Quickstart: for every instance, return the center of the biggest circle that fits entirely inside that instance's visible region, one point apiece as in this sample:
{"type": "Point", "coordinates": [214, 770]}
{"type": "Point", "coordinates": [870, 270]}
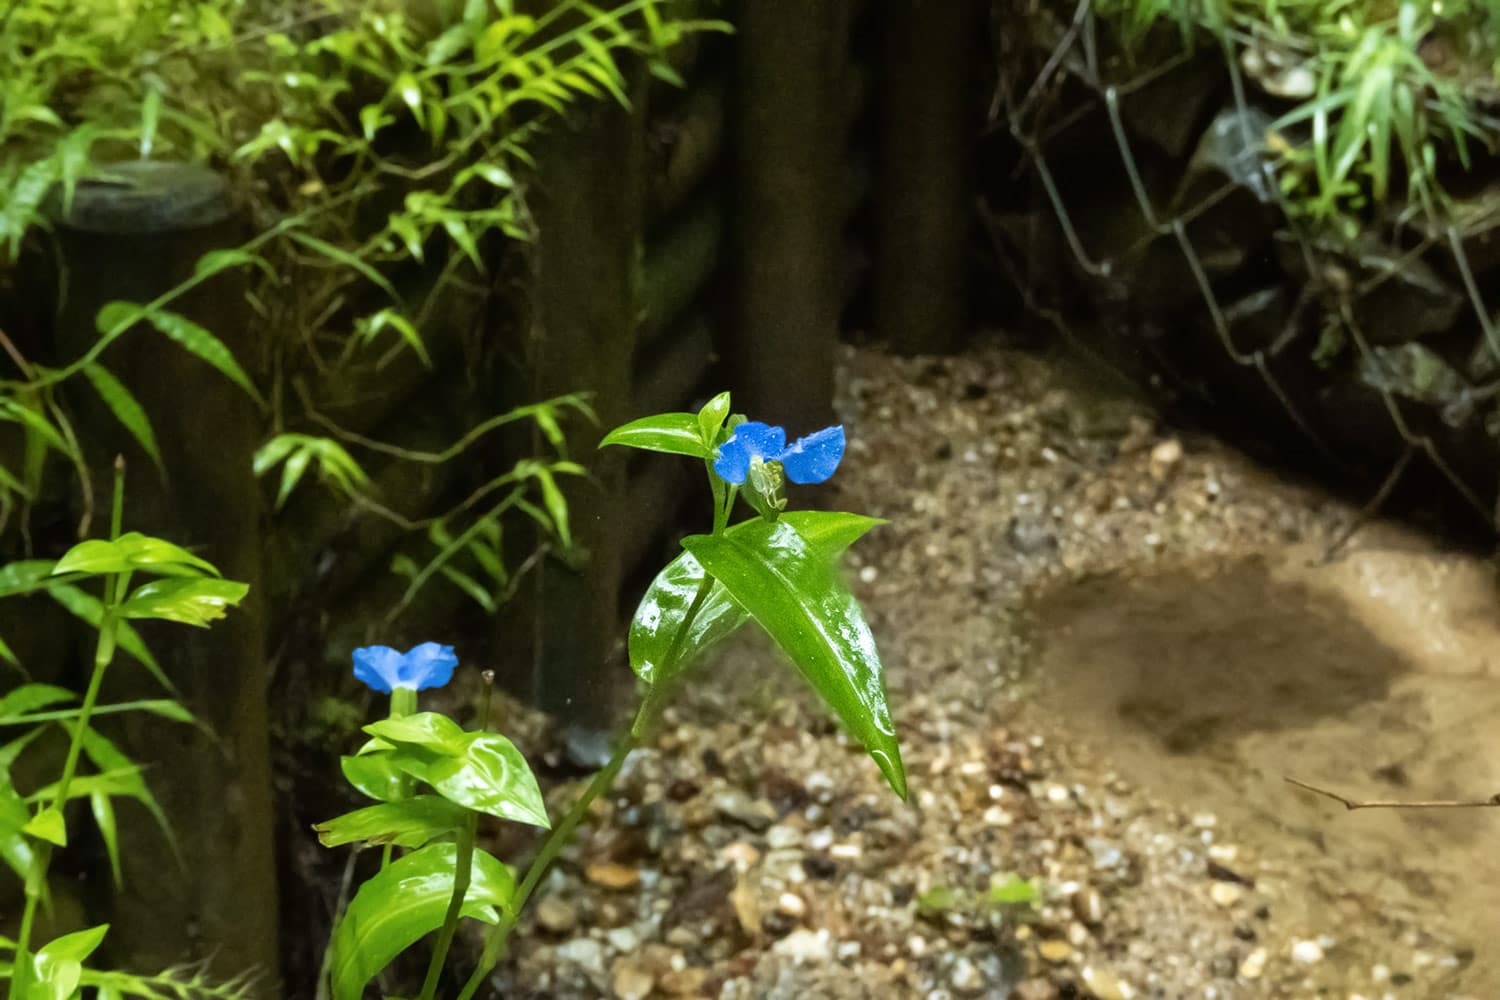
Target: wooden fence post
{"type": "Point", "coordinates": [928, 125]}
{"type": "Point", "coordinates": [133, 241]}
{"type": "Point", "coordinates": [591, 209]}
{"type": "Point", "coordinates": [788, 151]}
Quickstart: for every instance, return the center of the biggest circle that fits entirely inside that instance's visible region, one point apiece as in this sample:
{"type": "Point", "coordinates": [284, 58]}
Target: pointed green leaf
{"type": "Point", "coordinates": [671, 433]}
{"type": "Point", "coordinates": [29, 698]}
{"type": "Point", "coordinates": [795, 594]}
{"type": "Point", "coordinates": [125, 407]}
{"type": "Point", "coordinates": [409, 823]}
{"type": "Point", "coordinates": [341, 256]}
{"type": "Point", "coordinates": [189, 335]}
{"type": "Point", "coordinates": [480, 771]}
{"type": "Point", "coordinates": [191, 601]}
{"type": "Point", "coordinates": [664, 607]}
{"type": "Point", "coordinates": [405, 902]}
{"type": "Point", "coordinates": [104, 818]}
{"type": "Point", "coordinates": [48, 825]}
{"type": "Point", "coordinates": [15, 848]}
{"type": "Point", "coordinates": [132, 551]}
{"type": "Point", "coordinates": [374, 775]}
{"type": "Point", "coordinates": [712, 417]}
{"type": "Point", "coordinates": [57, 967]}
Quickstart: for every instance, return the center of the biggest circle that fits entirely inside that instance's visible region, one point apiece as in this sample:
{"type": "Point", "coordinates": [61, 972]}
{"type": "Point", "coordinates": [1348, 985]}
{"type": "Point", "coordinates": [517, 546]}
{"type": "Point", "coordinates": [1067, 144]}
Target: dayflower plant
{"type": "Point", "coordinates": [778, 569]}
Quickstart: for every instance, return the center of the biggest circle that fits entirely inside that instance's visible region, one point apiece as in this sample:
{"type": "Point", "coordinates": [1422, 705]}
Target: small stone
{"type": "Point", "coordinates": [585, 953]}
{"type": "Point", "coordinates": [1254, 965]}
{"type": "Point", "coordinates": [1164, 458]}
{"type": "Point", "coordinates": [740, 854]}
{"type": "Point", "coordinates": [623, 939]}
{"type": "Point", "coordinates": [556, 916]}
{"type": "Point", "coordinates": [782, 837]}
{"type": "Point", "coordinates": [609, 875]}
{"type": "Point", "coordinates": [1035, 989]}
{"type": "Point", "coordinates": [1088, 906]}
{"type": "Point", "coordinates": [757, 814]}
{"type": "Point", "coordinates": [996, 816]}
{"type": "Point", "coordinates": [803, 945]}
{"type": "Point", "coordinates": [684, 982]}
{"type": "Point", "coordinates": [1055, 950]}
{"type": "Point", "coordinates": [1307, 952]}
{"type": "Point", "coordinates": [1105, 985]}
{"type": "Point", "coordinates": [916, 946]}
{"type": "Point", "coordinates": [631, 981]}
{"type": "Point", "coordinates": [791, 904]}
{"type": "Point", "coordinates": [868, 574]}
{"type": "Point", "coordinates": [966, 977]}
{"type": "Point", "coordinates": [845, 851]}
{"type": "Point", "coordinates": [1226, 894]}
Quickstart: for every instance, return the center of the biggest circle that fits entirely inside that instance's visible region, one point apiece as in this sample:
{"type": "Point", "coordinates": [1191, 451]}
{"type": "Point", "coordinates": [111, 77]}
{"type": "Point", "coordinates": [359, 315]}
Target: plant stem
{"type": "Point", "coordinates": [104, 651]}
{"type": "Point", "coordinates": [403, 702]}
{"type": "Point", "coordinates": [461, 876]}
{"type": "Point", "coordinates": [494, 945]}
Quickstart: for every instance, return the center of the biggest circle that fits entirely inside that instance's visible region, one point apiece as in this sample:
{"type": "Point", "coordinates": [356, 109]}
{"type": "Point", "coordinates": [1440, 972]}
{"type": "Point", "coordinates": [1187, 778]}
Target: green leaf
{"type": "Point", "coordinates": [48, 825]}
{"type": "Point", "coordinates": [104, 818]}
{"type": "Point", "coordinates": [36, 423]}
{"type": "Point", "coordinates": [1011, 889]}
{"type": "Point", "coordinates": [664, 607]}
{"type": "Point", "coordinates": [671, 433]}
{"type": "Point", "coordinates": [132, 551]}
{"type": "Point", "coordinates": [408, 823]}
{"type": "Point", "coordinates": [25, 576]}
{"type": "Point", "coordinates": [374, 775]}
{"type": "Point", "coordinates": [57, 967]}
{"type": "Point", "coordinates": [215, 261]}
{"type": "Point", "coordinates": [192, 601]}
{"type": "Point", "coordinates": [479, 771]}
{"type": "Point", "coordinates": [189, 335]}
{"type": "Point", "coordinates": [341, 256]}
{"type": "Point", "coordinates": [404, 902]}
{"type": "Point", "coordinates": [15, 848]}
{"type": "Point", "coordinates": [712, 417]}
{"type": "Point", "coordinates": [794, 592]}
{"type": "Point", "coordinates": [371, 327]}
{"type": "Point", "coordinates": [125, 407]}
{"type": "Point", "coordinates": [29, 698]}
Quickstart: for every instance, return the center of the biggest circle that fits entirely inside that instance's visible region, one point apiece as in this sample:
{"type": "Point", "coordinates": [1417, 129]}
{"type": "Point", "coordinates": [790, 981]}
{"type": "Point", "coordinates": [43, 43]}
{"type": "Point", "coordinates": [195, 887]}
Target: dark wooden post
{"type": "Point", "coordinates": [788, 150]}
{"type": "Point", "coordinates": [591, 207]}
{"type": "Point", "coordinates": [929, 119]}
{"type": "Point", "coordinates": [133, 241]}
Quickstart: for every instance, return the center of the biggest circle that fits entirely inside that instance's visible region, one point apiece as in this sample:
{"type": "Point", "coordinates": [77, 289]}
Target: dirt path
{"type": "Point", "coordinates": [1104, 648]}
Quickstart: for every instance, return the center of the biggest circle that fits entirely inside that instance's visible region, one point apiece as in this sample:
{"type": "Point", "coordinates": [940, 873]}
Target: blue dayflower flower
{"type": "Point", "coordinates": [811, 459]}
{"type": "Point", "coordinates": [426, 666]}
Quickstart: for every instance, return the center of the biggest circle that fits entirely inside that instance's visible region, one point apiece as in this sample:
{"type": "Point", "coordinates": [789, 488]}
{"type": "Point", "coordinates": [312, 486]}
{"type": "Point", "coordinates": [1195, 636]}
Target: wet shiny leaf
{"type": "Point", "coordinates": [795, 594]}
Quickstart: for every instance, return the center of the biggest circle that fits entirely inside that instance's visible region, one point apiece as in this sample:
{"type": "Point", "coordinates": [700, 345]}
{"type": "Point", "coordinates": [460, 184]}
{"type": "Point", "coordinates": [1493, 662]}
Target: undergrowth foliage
{"type": "Point", "coordinates": [375, 146]}
{"type": "Point", "coordinates": [1380, 90]}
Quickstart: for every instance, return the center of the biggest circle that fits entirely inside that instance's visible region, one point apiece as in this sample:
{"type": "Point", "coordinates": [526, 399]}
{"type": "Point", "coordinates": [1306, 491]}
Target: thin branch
{"type": "Point", "coordinates": [1490, 803]}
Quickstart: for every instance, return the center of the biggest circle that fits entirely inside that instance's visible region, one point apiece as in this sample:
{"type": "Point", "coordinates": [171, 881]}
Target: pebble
{"type": "Point", "coordinates": [556, 915]}
{"type": "Point", "coordinates": [623, 939]}
{"type": "Point", "coordinates": [1105, 985]}
{"type": "Point", "coordinates": [586, 953]}
{"type": "Point", "coordinates": [1307, 952]}
{"type": "Point", "coordinates": [1254, 965]}
{"type": "Point", "coordinates": [733, 804]}
{"type": "Point", "coordinates": [631, 981]}
{"type": "Point", "coordinates": [803, 945]}
{"type": "Point", "coordinates": [782, 837]}
{"type": "Point", "coordinates": [612, 876]}
{"type": "Point", "coordinates": [1226, 894]}
{"type": "Point", "coordinates": [966, 977]}
{"type": "Point", "coordinates": [1088, 906]}
{"type": "Point", "coordinates": [1055, 950]}
{"type": "Point", "coordinates": [791, 904]}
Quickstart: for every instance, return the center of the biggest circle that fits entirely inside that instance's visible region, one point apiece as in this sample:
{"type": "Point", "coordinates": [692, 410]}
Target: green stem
{"type": "Point", "coordinates": [494, 945]}
{"type": "Point", "coordinates": [104, 652]}
{"type": "Point", "coordinates": [403, 702]}
{"type": "Point", "coordinates": [461, 876]}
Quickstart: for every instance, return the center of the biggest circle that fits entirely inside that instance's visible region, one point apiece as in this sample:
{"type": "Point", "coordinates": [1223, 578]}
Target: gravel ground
{"type": "Point", "coordinates": [752, 852]}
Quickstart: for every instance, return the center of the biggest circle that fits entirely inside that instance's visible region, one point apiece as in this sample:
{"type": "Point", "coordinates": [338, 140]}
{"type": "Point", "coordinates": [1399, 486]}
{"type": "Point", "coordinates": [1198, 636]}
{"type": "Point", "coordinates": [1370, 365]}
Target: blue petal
{"type": "Point", "coordinates": [427, 666]}
{"type": "Point", "coordinates": [378, 666]}
{"type": "Point", "coordinates": [813, 458]}
{"type": "Point", "coordinates": [750, 440]}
